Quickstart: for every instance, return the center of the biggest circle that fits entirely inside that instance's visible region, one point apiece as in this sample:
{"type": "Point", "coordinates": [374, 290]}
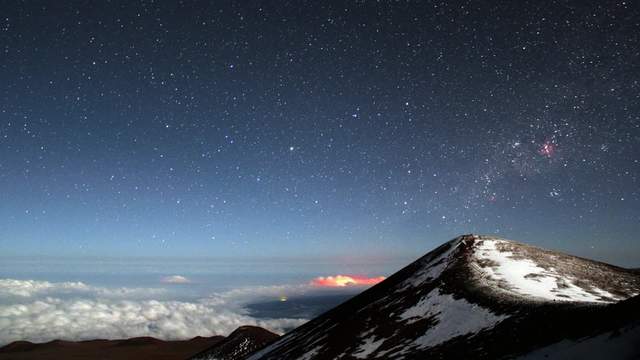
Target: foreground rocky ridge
{"type": "Point", "coordinates": [237, 345]}
{"type": "Point", "coordinates": [134, 348]}
{"type": "Point", "coordinates": [473, 297]}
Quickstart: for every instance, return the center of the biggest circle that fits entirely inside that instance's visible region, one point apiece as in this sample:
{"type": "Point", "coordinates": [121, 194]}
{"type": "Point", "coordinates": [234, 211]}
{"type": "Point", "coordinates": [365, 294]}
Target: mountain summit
{"type": "Point", "coordinates": [476, 297]}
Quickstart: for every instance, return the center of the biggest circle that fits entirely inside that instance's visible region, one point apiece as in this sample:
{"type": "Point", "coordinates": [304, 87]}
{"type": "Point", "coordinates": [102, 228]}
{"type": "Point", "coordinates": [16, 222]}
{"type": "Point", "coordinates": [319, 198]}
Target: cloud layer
{"type": "Point", "coordinates": [20, 289]}
{"type": "Point", "coordinates": [41, 311]}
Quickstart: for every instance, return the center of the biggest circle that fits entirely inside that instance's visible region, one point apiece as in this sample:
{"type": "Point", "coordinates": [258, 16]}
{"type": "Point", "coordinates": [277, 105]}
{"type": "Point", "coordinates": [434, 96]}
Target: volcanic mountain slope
{"type": "Point", "coordinates": [241, 342]}
{"type": "Point", "coordinates": [474, 297]}
{"type": "Point", "coordinates": [617, 337]}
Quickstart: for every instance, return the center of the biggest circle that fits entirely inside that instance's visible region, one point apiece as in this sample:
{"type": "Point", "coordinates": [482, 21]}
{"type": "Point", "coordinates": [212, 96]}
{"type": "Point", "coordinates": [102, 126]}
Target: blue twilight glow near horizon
{"type": "Point", "coordinates": [358, 130]}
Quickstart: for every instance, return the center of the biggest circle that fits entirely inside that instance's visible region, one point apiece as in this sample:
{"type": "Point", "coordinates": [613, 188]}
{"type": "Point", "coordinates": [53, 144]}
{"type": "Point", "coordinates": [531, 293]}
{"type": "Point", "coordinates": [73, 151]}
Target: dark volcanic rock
{"type": "Point", "coordinates": [238, 344]}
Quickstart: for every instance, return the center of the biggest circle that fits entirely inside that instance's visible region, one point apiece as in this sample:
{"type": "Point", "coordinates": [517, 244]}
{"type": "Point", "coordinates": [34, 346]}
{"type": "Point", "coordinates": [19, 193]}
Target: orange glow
{"type": "Point", "coordinates": [345, 280]}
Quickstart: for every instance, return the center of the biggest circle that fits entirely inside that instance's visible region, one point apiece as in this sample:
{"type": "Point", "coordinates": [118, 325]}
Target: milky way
{"type": "Point", "coordinates": [318, 128]}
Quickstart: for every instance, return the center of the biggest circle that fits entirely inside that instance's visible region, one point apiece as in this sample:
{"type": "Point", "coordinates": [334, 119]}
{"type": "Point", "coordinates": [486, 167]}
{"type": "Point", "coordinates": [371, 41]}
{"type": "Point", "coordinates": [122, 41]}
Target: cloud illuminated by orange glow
{"type": "Point", "coordinates": [345, 280]}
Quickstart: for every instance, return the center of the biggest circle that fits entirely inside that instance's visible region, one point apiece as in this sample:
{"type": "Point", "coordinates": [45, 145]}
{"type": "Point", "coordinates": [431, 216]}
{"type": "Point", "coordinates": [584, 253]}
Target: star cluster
{"type": "Point", "coordinates": [306, 128]}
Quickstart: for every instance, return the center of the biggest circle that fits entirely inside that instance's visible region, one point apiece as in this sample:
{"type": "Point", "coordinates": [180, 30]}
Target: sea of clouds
{"type": "Point", "coordinates": [40, 311]}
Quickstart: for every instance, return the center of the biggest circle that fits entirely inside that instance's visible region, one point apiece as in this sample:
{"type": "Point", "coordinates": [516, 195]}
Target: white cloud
{"type": "Point", "coordinates": [41, 311]}
{"type": "Point", "coordinates": [175, 279]}
{"type": "Point", "coordinates": [11, 288]}
{"type": "Point", "coordinates": [28, 288]}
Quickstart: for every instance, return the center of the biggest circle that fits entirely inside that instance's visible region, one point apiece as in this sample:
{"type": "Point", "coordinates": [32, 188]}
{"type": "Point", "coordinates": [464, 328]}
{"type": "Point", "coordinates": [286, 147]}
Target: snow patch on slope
{"type": "Point", "coordinates": [525, 278]}
{"type": "Point", "coordinates": [454, 317]}
{"type": "Point", "coordinates": [370, 345]}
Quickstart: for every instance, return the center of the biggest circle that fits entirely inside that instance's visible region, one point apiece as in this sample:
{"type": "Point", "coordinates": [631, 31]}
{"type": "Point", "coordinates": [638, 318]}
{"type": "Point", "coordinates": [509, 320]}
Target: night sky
{"type": "Point", "coordinates": [311, 128]}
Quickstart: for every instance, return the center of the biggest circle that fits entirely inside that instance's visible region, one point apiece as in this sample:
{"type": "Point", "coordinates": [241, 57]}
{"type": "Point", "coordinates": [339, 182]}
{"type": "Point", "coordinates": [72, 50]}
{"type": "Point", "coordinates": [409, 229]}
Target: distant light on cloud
{"type": "Point", "coordinates": [345, 280]}
{"type": "Point", "coordinates": [175, 279]}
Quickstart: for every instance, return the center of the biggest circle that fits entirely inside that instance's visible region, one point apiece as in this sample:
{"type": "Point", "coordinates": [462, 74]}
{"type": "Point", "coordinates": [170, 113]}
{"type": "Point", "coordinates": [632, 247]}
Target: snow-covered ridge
{"type": "Point", "coordinates": [542, 275]}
